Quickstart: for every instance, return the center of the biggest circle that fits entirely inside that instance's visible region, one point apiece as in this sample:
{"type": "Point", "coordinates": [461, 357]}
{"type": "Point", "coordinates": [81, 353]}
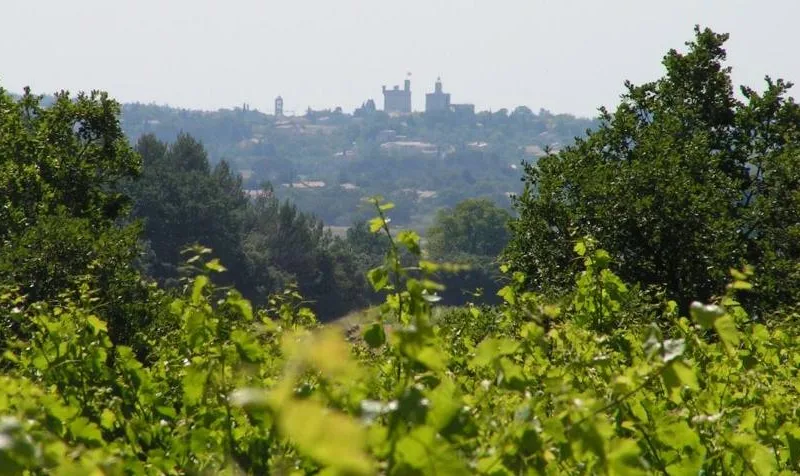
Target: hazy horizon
{"type": "Point", "coordinates": [567, 57]}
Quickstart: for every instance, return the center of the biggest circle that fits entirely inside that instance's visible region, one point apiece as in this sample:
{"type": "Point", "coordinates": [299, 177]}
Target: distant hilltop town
{"type": "Point", "coordinates": [398, 101]}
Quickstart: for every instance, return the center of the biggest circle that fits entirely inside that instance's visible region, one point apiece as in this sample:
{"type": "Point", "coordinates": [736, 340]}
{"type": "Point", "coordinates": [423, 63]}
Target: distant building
{"type": "Point", "coordinates": [398, 100]}
{"type": "Point", "coordinates": [465, 109]}
{"type": "Point", "coordinates": [386, 135]}
{"type": "Point", "coordinates": [257, 193]}
{"type": "Point", "coordinates": [409, 149]}
{"type": "Point", "coordinates": [366, 109]}
{"type": "Point", "coordinates": [305, 184]}
{"type": "Point", "coordinates": [278, 106]}
{"type": "Point", "coordinates": [438, 100]}
{"type": "Point", "coordinates": [477, 145]}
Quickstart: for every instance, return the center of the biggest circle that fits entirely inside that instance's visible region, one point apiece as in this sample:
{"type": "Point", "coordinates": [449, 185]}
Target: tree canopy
{"type": "Point", "coordinates": [65, 158]}
{"type": "Point", "coordinates": [473, 233]}
{"type": "Point", "coordinates": [266, 245]}
{"type": "Point", "coordinates": [683, 181]}
{"type": "Point", "coordinates": [421, 162]}
{"type": "Point", "coordinates": [473, 226]}
{"type": "Point", "coordinates": [60, 208]}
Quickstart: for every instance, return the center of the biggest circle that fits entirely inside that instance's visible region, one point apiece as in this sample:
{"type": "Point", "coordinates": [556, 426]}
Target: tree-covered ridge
{"type": "Point", "coordinates": [329, 160]}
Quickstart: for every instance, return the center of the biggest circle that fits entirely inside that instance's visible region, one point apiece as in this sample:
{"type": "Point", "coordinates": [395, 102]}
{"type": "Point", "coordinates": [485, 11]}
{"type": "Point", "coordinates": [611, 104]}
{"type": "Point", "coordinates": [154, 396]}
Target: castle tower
{"type": "Point", "coordinates": [398, 100]}
{"type": "Point", "coordinates": [278, 106]}
{"type": "Point", "coordinates": [438, 100]}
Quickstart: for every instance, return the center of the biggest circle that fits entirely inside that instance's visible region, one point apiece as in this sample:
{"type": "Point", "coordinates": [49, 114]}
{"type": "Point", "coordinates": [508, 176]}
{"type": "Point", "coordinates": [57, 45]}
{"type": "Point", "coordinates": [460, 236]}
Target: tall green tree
{"type": "Point", "coordinates": [473, 233]}
{"type": "Point", "coordinates": [64, 158]}
{"type": "Point", "coordinates": [265, 244]}
{"type": "Point", "coordinates": [285, 246]}
{"type": "Point", "coordinates": [680, 183]}
{"type": "Point", "coordinates": [183, 201]}
{"type": "Point", "coordinates": [60, 209]}
{"type": "Point", "coordinates": [473, 227]}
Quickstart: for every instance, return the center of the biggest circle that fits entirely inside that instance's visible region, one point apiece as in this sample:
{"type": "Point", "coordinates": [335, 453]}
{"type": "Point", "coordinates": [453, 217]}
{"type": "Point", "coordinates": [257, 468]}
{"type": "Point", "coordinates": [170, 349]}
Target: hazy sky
{"type": "Point", "coordinates": [562, 55]}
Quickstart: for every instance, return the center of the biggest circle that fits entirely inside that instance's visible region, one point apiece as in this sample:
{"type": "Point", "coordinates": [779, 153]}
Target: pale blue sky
{"type": "Point", "coordinates": [565, 56]}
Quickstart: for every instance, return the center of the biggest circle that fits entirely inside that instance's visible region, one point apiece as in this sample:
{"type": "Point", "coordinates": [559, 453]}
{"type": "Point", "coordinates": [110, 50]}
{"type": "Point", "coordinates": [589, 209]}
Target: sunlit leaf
{"type": "Point", "coordinates": [378, 278]}
{"type": "Point", "coordinates": [200, 283]}
{"type": "Point", "coordinates": [727, 331]}
{"type": "Point", "coordinates": [97, 324]}
{"type": "Point", "coordinates": [492, 349]}
{"type": "Point", "coordinates": [623, 458]}
{"type": "Point", "coordinates": [328, 437]}
{"type": "Point", "coordinates": [376, 224]}
{"type": "Point", "coordinates": [194, 381]}
{"type": "Point", "coordinates": [86, 431]}
{"type": "Point", "coordinates": [424, 450]}
{"type": "Point", "coordinates": [410, 240]}
{"type": "Point", "coordinates": [215, 266]}
{"type": "Point", "coordinates": [445, 404]}
{"type": "Point", "coordinates": [247, 346]}
{"type": "Point", "coordinates": [107, 419]}
{"type": "Point", "coordinates": [677, 375]}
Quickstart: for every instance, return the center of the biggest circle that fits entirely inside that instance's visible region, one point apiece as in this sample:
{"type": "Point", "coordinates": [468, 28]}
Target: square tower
{"type": "Point", "coordinates": [398, 100]}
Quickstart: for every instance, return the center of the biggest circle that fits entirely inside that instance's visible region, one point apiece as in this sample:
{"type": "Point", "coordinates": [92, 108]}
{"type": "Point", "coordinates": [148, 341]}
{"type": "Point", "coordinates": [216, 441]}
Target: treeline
{"type": "Point", "coordinates": [157, 201]}
{"type": "Point", "coordinates": [268, 245]}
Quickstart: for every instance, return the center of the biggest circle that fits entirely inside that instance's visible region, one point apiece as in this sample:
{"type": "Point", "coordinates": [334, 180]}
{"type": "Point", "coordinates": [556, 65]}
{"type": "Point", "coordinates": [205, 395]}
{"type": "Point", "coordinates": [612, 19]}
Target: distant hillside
{"type": "Point", "coordinates": [327, 161]}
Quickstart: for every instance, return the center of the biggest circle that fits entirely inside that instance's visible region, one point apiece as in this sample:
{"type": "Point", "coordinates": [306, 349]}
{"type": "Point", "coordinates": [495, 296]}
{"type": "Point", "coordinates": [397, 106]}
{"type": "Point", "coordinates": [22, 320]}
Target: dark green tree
{"type": "Point", "coordinates": [286, 247]}
{"type": "Point", "coordinates": [369, 247]}
{"type": "Point", "coordinates": [182, 201]}
{"type": "Point", "coordinates": [472, 233]}
{"type": "Point", "coordinates": [63, 158]}
{"type": "Point", "coordinates": [265, 244]}
{"type": "Point", "coordinates": [474, 227]}
{"type": "Point", "coordinates": [680, 183]}
{"type": "Point", "coordinates": [60, 209]}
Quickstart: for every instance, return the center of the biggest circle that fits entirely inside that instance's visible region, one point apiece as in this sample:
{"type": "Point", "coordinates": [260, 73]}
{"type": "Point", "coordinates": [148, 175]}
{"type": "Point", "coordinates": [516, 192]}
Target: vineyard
{"type": "Point", "coordinates": [599, 383]}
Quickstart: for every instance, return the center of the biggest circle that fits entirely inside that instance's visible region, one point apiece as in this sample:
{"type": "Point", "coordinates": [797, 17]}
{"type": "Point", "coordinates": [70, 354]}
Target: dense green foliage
{"type": "Point", "coordinates": [473, 233]}
{"type": "Point", "coordinates": [66, 159]}
{"type": "Point", "coordinates": [267, 245]}
{"type": "Point", "coordinates": [524, 388]}
{"type": "Point", "coordinates": [59, 207]}
{"type": "Point", "coordinates": [680, 183]}
{"type": "Point", "coordinates": [473, 227]}
{"type": "Point", "coordinates": [603, 371]}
